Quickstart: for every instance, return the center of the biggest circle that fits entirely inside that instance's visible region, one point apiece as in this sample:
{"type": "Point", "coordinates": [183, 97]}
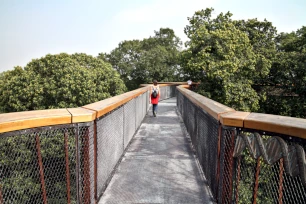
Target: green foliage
{"type": "Point", "coordinates": [222, 57]}
{"type": "Point", "coordinates": [286, 90]}
{"type": "Point", "coordinates": [142, 61]}
{"type": "Point", "coordinates": [58, 81]}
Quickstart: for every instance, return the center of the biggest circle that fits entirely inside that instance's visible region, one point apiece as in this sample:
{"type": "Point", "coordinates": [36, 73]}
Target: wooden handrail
{"type": "Point", "coordinates": [226, 115]}
{"type": "Point", "coordinates": [212, 107]}
{"type": "Point", "coordinates": [30, 119]}
{"type": "Point", "coordinates": [257, 121]}
{"type": "Point", "coordinates": [39, 118]}
{"type": "Point", "coordinates": [107, 105]}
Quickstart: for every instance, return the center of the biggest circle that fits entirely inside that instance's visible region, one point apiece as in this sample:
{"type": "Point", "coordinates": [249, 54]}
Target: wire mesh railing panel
{"type": "Point", "coordinates": [294, 191]}
{"type": "Point", "coordinates": [179, 101]}
{"type": "Point", "coordinates": [207, 151]}
{"type": "Point", "coordinates": [191, 121]}
{"type": "Point", "coordinates": [39, 165]}
{"type": "Point", "coordinates": [54, 163]}
{"type": "Point", "coordinates": [129, 121]}
{"type": "Point", "coordinates": [245, 170]}
{"type": "Point", "coordinates": [266, 169]}
{"type": "Point", "coordinates": [109, 145]}
{"type": "Point", "coordinates": [172, 91]}
{"type": "Point", "coordinates": [86, 162]}
{"type": "Point", "coordinates": [203, 131]}
{"type": "Point", "coordinates": [226, 165]}
{"type": "Point", "coordinates": [144, 105]}
{"type": "Point", "coordinates": [138, 110]}
{"type": "Point", "coordinates": [163, 93]}
{"type": "Point", "coordinates": [148, 100]}
{"type": "Point", "coordinates": [19, 169]}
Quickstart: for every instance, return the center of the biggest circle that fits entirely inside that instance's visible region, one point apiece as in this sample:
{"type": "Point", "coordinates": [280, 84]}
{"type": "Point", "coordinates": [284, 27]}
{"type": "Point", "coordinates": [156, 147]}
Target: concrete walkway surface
{"type": "Point", "coordinates": [159, 165]}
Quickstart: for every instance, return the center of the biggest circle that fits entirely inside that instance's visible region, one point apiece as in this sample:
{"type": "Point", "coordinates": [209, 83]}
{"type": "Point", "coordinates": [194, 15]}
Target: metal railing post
{"type": "Point", "coordinates": [86, 168]}
{"type": "Point", "coordinates": [95, 162]}
{"type": "Point", "coordinates": [67, 167]}
{"type": "Point", "coordinates": [256, 180]}
{"type": "Point", "coordinates": [41, 170]}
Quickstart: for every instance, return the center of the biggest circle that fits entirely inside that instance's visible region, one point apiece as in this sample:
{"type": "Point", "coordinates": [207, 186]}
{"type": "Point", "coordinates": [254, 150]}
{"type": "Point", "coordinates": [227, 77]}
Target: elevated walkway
{"type": "Point", "coordinates": [159, 166]}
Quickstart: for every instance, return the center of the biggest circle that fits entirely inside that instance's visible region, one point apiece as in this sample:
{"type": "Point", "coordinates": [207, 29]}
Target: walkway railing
{"type": "Point", "coordinates": [68, 155]}
{"type": "Point", "coordinates": [246, 157]}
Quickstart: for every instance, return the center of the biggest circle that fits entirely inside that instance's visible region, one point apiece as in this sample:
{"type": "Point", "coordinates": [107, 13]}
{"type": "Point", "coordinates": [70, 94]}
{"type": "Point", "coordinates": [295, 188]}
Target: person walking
{"type": "Point", "coordinates": [154, 96]}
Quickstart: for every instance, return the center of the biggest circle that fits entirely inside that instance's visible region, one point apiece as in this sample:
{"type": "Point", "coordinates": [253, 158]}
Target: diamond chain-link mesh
{"type": "Point", "coordinates": [167, 92]}
{"type": "Point", "coordinates": [55, 164]}
{"type": "Point", "coordinates": [129, 121]}
{"type": "Point", "coordinates": [241, 179]}
{"type": "Point", "coordinates": [203, 131]}
{"type": "Point", "coordinates": [114, 132]}
{"type": "Point", "coordinates": [40, 165]}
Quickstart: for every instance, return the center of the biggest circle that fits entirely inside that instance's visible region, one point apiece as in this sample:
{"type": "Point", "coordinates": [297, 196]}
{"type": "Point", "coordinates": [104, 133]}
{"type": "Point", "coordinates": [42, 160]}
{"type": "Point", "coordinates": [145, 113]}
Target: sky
{"type": "Point", "coordinates": [30, 29]}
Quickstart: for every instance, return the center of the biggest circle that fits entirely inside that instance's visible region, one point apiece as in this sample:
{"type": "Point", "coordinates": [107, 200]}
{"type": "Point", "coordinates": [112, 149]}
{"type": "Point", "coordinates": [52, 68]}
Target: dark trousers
{"type": "Point", "coordinates": [155, 108]}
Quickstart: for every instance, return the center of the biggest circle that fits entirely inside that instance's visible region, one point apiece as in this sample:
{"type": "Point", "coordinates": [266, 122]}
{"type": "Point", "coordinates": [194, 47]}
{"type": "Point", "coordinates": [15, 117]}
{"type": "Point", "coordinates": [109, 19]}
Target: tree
{"type": "Point", "coordinates": [59, 81]}
{"type": "Point", "coordinates": [142, 61]}
{"type": "Point", "coordinates": [287, 78]}
{"type": "Point", "coordinates": [221, 56]}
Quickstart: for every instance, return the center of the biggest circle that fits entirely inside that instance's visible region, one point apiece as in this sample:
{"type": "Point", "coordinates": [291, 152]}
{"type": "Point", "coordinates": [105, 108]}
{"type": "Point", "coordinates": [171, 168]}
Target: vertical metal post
{"type": "Point", "coordinates": [41, 170]}
{"type": "Point", "coordinates": [95, 162]}
{"type": "Point", "coordinates": [67, 167]}
{"type": "Point", "coordinates": [281, 180]}
{"type": "Point", "coordinates": [256, 181]}
{"type": "Point", "coordinates": [231, 163]}
{"type": "Point", "coordinates": [86, 168]}
{"type": "Point", "coordinates": [238, 178]}
{"type": "Point", "coordinates": [219, 159]}
{"type": "Point", "coordinates": [77, 163]}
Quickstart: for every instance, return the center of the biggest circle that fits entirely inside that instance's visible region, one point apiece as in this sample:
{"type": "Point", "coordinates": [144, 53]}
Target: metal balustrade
{"type": "Point", "coordinates": [246, 157]}
{"type": "Point", "coordinates": [68, 163]}
{"type": "Point", "coordinates": [69, 155]}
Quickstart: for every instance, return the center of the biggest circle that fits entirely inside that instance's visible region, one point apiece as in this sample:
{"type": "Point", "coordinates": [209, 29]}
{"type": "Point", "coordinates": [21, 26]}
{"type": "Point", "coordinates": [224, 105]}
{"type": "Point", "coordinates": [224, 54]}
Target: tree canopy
{"type": "Point", "coordinates": [141, 61]}
{"type": "Point", "coordinates": [286, 90]}
{"type": "Point", "coordinates": [58, 81]}
{"type": "Point", "coordinates": [221, 55]}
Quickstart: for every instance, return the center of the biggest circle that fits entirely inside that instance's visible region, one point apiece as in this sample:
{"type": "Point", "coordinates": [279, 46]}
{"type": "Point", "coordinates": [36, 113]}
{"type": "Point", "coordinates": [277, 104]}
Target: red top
{"type": "Point", "coordinates": [155, 100]}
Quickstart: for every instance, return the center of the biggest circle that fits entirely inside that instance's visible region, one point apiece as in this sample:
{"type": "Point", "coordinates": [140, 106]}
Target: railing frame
{"type": "Point", "coordinates": [280, 126]}
{"type": "Point", "coordinates": [22, 122]}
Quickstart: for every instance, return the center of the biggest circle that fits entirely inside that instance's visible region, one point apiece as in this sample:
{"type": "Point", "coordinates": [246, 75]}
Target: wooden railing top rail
{"type": "Point", "coordinates": [258, 121]}
{"type": "Point", "coordinates": [212, 107]}
{"type": "Point", "coordinates": [170, 84]}
{"type": "Point", "coordinates": [39, 118]}
{"type": "Point", "coordinates": [227, 116]}
{"type": "Point", "coordinates": [107, 105]}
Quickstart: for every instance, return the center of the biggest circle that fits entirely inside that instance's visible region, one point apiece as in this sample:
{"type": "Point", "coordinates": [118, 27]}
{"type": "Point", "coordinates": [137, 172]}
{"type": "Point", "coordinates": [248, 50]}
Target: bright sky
{"type": "Point", "coordinates": [33, 28]}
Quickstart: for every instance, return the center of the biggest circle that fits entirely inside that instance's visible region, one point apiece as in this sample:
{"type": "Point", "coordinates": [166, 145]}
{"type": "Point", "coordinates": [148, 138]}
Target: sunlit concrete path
{"type": "Point", "coordinates": [159, 165]}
